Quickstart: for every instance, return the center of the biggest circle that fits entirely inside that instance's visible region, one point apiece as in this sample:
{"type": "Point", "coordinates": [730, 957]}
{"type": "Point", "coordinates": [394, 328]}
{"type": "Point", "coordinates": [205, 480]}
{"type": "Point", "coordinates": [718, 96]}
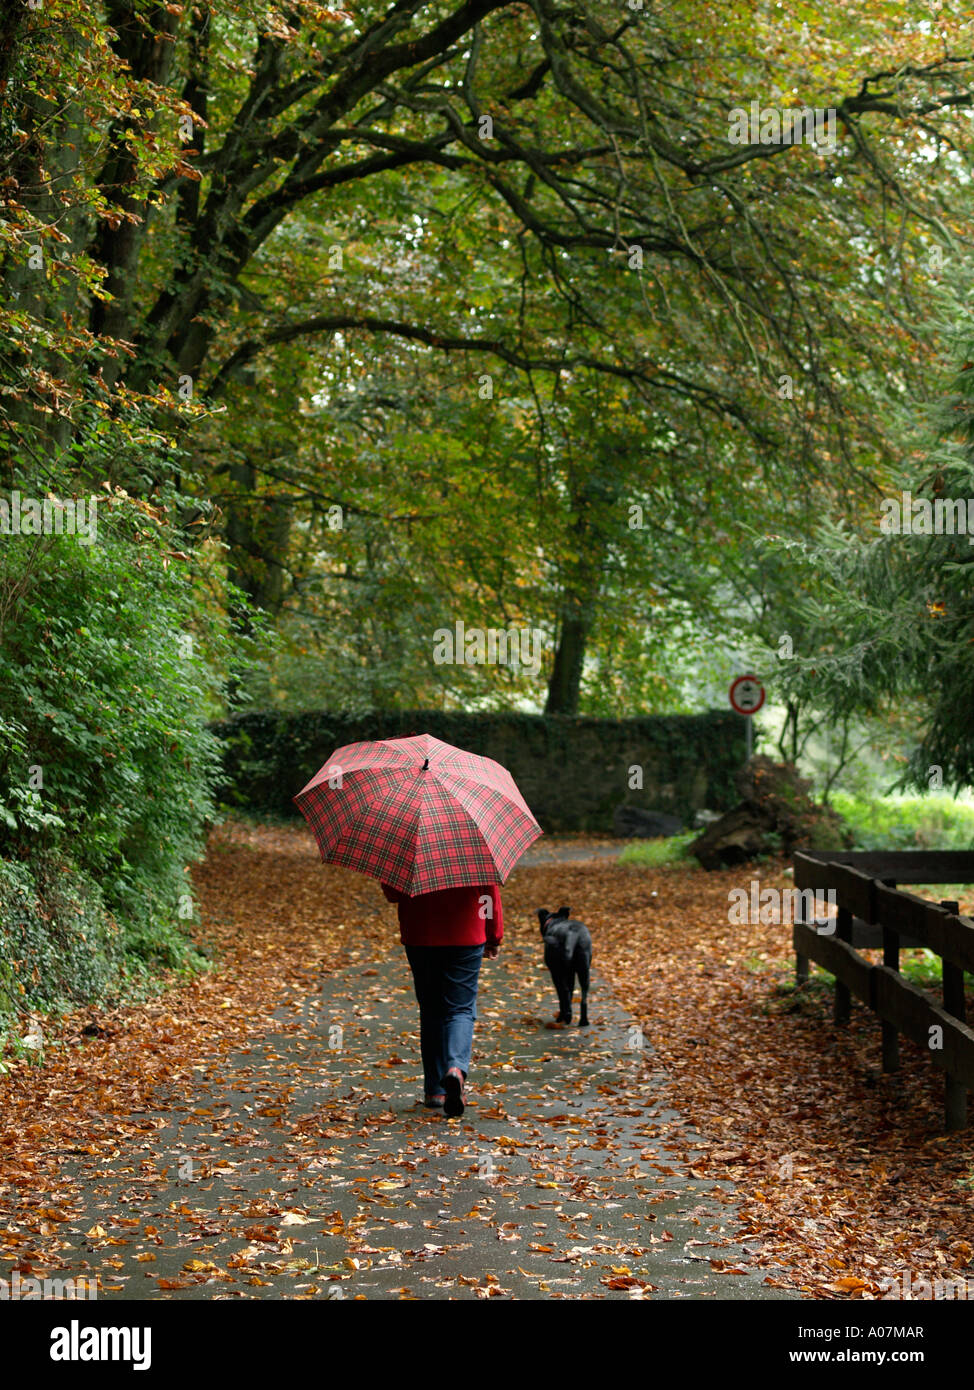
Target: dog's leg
{"type": "Point", "coordinates": [569, 991]}
{"type": "Point", "coordinates": [582, 967]}
{"type": "Point", "coordinates": [556, 972]}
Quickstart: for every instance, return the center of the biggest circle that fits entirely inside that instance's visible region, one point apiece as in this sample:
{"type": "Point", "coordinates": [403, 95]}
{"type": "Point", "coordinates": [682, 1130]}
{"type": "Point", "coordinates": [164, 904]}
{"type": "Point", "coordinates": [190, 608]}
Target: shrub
{"type": "Point", "coordinates": [59, 944]}
{"type": "Point", "coordinates": [901, 822]}
{"type": "Point", "coordinates": [110, 667]}
{"type": "Point", "coordinates": [570, 770]}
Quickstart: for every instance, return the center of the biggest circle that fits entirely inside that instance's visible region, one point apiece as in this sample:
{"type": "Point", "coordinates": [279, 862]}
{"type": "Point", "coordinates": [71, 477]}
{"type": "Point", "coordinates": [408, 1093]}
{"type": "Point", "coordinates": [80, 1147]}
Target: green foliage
{"type": "Point", "coordinates": [626, 277]}
{"type": "Point", "coordinates": [888, 606]}
{"type": "Point", "coordinates": [571, 772]}
{"type": "Point", "coordinates": [107, 713]}
{"type": "Point", "coordinates": [111, 661]}
{"type": "Point", "coordinates": [58, 943]}
{"type": "Point", "coordinates": [901, 822]}
{"type": "Point", "coordinates": [651, 854]}
{"type": "Point", "coordinates": [923, 968]}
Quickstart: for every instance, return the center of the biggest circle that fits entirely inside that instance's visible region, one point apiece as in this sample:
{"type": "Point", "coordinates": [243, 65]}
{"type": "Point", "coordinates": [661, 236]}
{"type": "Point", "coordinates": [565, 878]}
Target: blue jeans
{"type": "Point", "coordinates": [446, 979]}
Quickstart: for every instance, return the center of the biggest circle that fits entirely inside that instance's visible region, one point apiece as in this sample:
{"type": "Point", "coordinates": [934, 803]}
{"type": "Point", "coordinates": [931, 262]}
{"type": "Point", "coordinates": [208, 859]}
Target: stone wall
{"type": "Point", "coordinates": [573, 772]}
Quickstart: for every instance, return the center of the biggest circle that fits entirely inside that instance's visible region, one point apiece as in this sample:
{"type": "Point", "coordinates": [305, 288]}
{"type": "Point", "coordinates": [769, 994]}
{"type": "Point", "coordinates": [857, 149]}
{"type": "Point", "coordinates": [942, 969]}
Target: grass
{"type": "Point", "coordinates": [652, 854]}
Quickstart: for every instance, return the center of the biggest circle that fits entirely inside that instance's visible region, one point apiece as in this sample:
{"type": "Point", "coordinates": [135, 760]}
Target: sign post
{"type": "Point", "coordinates": [747, 697]}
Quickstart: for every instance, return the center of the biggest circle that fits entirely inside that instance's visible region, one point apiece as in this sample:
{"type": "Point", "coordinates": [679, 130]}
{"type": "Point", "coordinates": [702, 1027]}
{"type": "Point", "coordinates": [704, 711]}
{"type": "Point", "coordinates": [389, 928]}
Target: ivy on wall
{"type": "Point", "coordinates": [573, 772]}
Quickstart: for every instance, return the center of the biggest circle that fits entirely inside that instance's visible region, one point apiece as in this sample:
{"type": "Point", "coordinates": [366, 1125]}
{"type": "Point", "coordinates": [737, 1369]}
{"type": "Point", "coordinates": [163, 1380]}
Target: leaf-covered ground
{"type": "Point", "coordinates": [194, 1143]}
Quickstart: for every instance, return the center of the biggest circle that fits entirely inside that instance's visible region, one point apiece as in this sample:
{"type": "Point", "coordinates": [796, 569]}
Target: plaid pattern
{"type": "Point", "coordinates": [462, 821]}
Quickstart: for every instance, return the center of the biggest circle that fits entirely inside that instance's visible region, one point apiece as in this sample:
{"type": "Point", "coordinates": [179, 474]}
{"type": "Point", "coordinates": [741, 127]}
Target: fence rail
{"type": "Point", "coordinates": [873, 911]}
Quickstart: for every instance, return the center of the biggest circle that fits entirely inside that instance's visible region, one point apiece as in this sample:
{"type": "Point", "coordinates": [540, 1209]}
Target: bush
{"type": "Point", "coordinates": [58, 944]}
{"type": "Point", "coordinates": [901, 822]}
{"type": "Point", "coordinates": [109, 669]}
{"type": "Point", "coordinates": [572, 771]}
{"type": "Point", "coordinates": [104, 712]}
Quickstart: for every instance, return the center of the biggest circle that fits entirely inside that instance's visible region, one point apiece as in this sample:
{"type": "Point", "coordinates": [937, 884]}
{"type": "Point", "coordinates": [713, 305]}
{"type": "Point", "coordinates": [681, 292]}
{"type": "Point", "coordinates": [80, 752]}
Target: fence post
{"type": "Point", "coordinates": [955, 1092]}
{"type": "Point", "coordinates": [801, 962]}
{"type": "Point", "coordinates": [891, 958]}
{"type": "Point", "coordinates": [843, 995]}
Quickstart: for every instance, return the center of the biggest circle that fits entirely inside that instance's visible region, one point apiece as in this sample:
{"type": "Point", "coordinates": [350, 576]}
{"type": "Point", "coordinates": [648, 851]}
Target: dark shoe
{"type": "Point", "coordinates": [434, 1102]}
{"type": "Point", "coordinates": [453, 1086]}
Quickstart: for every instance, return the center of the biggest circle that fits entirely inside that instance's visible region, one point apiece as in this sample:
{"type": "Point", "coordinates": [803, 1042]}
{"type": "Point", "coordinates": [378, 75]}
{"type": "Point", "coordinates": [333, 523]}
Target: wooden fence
{"type": "Point", "coordinates": [872, 910]}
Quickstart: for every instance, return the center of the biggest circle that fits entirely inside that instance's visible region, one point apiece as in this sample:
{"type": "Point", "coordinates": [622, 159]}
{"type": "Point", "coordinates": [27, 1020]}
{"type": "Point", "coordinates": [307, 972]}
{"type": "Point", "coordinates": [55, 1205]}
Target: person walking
{"type": "Point", "coordinates": [440, 828]}
{"type": "Point", "coordinates": [446, 933]}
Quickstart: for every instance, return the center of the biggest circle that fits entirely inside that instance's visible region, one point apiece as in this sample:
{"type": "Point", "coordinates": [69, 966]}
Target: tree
{"type": "Point", "coordinates": [897, 594]}
{"type": "Point", "coordinates": [536, 189]}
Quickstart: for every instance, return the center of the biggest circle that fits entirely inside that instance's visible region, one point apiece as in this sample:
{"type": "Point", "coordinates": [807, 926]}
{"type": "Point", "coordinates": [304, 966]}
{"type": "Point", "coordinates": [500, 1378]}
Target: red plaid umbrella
{"type": "Point", "coordinates": [418, 814]}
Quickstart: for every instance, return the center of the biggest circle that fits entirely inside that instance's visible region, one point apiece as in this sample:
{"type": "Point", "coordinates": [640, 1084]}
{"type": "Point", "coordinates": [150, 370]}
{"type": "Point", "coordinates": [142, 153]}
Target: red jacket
{"type": "Point", "coordinates": [449, 916]}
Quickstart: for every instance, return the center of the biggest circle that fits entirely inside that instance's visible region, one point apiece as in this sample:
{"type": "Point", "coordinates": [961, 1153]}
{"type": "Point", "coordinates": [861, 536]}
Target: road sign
{"type": "Point", "coordinates": [747, 695]}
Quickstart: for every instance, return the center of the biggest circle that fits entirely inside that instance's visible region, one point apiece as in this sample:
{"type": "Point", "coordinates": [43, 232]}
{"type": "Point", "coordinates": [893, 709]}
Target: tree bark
{"type": "Point", "coordinates": [150, 57]}
{"type": "Point", "coordinates": [586, 543]}
{"type": "Point", "coordinates": [257, 534]}
{"type": "Point", "coordinates": [564, 687]}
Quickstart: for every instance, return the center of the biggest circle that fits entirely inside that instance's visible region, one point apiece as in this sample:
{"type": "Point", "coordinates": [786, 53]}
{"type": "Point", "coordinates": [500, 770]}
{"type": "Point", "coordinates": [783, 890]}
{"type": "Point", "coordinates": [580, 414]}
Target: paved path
{"type": "Point", "coordinates": [550, 852]}
{"type": "Point", "coordinates": [304, 1168]}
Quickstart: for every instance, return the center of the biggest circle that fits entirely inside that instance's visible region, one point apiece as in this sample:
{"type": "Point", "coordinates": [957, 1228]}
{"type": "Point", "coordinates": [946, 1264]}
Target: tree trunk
{"type": "Point", "coordinates": [587, 543]}
{"type": "Point", "coordinates": [565, 684]}
{"type": "Point", "coordinates": [258, 533]}
{"type": "Point", "coordinates": [150, 53]}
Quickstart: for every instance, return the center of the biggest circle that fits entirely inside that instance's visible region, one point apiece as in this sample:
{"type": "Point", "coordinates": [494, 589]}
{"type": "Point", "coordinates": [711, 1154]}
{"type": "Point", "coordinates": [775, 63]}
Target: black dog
{"type": "Point", "coordinates": [567, 953]}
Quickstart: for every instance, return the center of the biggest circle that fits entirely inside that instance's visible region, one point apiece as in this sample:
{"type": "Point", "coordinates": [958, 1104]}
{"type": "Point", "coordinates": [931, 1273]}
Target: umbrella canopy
{"type": "Point", "coordinates": [418, 814]}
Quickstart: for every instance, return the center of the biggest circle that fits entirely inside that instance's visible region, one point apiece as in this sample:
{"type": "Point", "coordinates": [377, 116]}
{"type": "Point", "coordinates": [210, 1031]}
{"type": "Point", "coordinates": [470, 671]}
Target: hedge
{"type": "Point", "coordinates": [573, 772]}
